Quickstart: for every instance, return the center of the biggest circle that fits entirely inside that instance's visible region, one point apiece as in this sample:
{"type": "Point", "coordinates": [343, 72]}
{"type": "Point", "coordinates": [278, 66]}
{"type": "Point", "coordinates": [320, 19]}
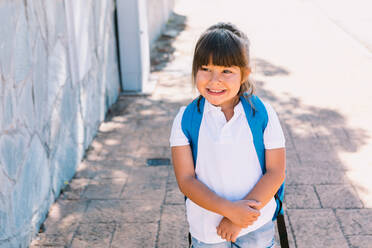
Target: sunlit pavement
{"type": "Point", "coordinates": [317, 76]}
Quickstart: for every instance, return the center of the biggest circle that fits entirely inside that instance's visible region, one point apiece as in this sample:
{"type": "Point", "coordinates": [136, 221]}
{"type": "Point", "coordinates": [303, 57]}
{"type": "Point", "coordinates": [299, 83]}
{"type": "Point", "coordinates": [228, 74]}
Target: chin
{"type": "Point", "coordinates": [214, 102]}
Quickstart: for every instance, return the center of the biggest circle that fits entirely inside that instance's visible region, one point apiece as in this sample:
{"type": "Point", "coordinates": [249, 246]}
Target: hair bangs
{"type": "Point", "coordinates": [219, 47]}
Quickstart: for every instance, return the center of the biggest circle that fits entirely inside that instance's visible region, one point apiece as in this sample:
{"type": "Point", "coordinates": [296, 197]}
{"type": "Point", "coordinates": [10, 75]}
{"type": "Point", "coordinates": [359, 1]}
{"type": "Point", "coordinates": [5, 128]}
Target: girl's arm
{"type": "Point", "coordinates": [239, 212]}
{"type": "Point", "coordinates": [263, 191]}
{"type": "Point", "coordinates": [271, 181]}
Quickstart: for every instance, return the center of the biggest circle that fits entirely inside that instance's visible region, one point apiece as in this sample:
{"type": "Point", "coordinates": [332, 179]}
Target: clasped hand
{"type": "Point", "coordinates": [243, 214]}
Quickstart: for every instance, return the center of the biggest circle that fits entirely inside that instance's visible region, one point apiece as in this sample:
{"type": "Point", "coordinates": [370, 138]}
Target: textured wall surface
{"type": "Point", "coordinates": [158, 12]}
{"type": "Point", "coordinates": [58, 76]}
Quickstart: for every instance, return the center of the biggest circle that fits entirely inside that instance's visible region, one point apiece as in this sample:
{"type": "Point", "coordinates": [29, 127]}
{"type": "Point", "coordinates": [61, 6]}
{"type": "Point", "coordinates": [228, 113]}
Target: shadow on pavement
{"type": "Point", "coordinates": [318, 194]}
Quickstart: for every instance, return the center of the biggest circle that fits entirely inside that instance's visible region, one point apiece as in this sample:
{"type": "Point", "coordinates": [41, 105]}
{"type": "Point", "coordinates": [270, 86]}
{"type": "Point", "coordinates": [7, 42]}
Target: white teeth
{"type": "Point", "coordinates": [216, 91]}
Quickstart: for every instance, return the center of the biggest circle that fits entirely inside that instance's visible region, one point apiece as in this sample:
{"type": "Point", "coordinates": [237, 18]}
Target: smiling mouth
{"type": "Point", "coordinates": [215, 92]}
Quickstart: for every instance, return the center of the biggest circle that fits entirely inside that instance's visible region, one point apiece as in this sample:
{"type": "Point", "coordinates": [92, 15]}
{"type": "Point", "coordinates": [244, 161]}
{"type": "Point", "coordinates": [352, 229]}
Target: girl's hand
{"type": "Point", "coordinates": [228, 230]}
{"type": "Point", "coordinates": [244, 213]}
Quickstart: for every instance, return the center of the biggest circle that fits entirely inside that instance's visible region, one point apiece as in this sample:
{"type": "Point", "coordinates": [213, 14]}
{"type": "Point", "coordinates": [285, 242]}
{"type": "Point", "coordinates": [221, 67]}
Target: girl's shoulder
{"type": "Point", "coordinates": [269, 109]}
{"type": "Point", "coordinates": [177, 137]}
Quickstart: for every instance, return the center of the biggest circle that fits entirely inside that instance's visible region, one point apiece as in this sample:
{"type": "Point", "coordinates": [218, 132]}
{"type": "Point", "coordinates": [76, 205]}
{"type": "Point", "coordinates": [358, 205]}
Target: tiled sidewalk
{"type": "Point", "coordinates": [115, 200]}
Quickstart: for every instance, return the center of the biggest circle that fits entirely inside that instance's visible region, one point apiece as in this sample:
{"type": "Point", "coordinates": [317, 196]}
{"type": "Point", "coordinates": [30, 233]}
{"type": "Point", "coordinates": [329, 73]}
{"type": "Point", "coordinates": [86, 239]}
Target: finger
{"type": "Point", "coordinates": [252, 203]}
{"type": "Point", "coordinates": [254, 211]}
{"type": "Point", "coordinates": [223, 236]}
{"type": "Point", "coordinates": [253, 217]}
{"type": "Point", "coordinates": [219, 231]}
{"type": "Point", "coordinates": [234, 236]}
{"type": "Point", "coordinates": [228, 237]}
{"type": "Point", "coordinates": [248, 223]}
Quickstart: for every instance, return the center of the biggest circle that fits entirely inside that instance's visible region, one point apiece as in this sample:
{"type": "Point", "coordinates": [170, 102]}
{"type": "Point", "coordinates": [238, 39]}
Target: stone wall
{"type": "Point", "coordinates": [158, 12]}
{"type": "Point", "coordinates": [58, 76]}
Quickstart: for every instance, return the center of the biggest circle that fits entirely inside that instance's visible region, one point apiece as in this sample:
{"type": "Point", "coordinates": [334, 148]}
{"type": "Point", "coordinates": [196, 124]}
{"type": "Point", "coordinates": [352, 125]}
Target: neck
{"type": "Point", "coordinates": [230, 106]}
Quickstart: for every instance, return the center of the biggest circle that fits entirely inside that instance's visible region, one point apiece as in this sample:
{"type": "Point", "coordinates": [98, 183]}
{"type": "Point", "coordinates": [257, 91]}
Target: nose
{"type": "Point", "coordinates": [215, 76]}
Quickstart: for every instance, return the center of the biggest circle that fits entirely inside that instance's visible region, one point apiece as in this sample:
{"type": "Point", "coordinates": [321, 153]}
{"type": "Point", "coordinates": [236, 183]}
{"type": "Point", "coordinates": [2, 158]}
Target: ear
{"type": "Point", "coordinates": [245, 74]}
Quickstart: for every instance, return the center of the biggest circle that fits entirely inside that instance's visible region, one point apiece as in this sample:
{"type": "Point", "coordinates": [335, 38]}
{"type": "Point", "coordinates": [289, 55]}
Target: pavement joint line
{"type": "Point", "coordinates": [292, 231]}
{"type": "Point", "coordinates": [161, 212]}
{"type": "Point", "coordinates": [356, 193]}
{"type": "Point", "coordinates": [120, 199]}
{"type": "Point", "coordinates": [79, 224]}
{"type": "Point", "coordinates": [126, 182]}
{"type": "Point", "coordinates": [113, 233]}
{"type": "Point", "coordinates": [322, 208]}
{"type": "Point", "coordinates": [351, 36]}
{"type": "Point", "coordinates": [317, 184]}
{"type": "Point", "coordinates": [73, 235]}
{"type": "Point", "coordinates": [341, 228]}
{"type": "Point", "coordinates": [356, 235]}
{"type": "Point", "coordinates": [100, 222]}
{"type": "Point", "coordinates": [125, 222]}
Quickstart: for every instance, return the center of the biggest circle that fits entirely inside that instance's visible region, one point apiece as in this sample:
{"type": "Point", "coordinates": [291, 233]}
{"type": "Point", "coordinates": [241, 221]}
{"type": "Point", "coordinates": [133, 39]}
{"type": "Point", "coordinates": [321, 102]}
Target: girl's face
{"type": "Point", "coordinates": [219, 84]}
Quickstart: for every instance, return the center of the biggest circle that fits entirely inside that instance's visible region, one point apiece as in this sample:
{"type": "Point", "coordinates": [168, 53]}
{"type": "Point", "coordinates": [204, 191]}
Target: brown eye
{"type": "Point", "coordinates": [227, 71]}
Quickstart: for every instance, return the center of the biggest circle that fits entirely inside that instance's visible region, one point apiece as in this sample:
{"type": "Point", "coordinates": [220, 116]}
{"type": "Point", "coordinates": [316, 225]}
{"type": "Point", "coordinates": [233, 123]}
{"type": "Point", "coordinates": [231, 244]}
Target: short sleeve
{"type": "Point", "coordinates": [273, 134]}
{"type": "Point", "coordinates": [177, 137]}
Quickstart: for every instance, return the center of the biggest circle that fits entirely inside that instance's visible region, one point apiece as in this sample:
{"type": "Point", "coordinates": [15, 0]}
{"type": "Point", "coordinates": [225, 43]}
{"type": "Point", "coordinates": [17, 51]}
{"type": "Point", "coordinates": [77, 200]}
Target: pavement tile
{"type": "Point", "coordinates": [130, 145]}
{"type": "Point", "coordinates": [151, 151]}
{"type": "Point", "coordinates": [135, 235]}
{"type": "Point", "coordinates": [64, 217]}
{"type": "Point", "coordinates": [338, 196]}
{"type": "Point", "coordinates": [316, 228]}
{"type": "Point", "coordinates": [292, 160]}
{"type": "Point", "coordinates": [173, 231]}
{"type": "Point", "coordinates": [158, 135]}
{"type": "Point", "coordinates": [319, 156]}
{"type": "Point", "coordinates": [51, 240]}
{"type": "Point", "coordinates": [314, 149]}
{"type": "Point", "coordinates": [288, 140]}
{"type": "Point", "coordinates": [93, 235]}
{"type": "Point", "coordinates": [173, 194]}
{"type": "Point", "coordinates": [102, 169]}
{"type": "Point", "coordinates": [301, 196]}
{"type": "Point", "coordinates": [121, 211]}
{"type": "Point", "coordinates": [312, 144]}
{"type": "Point", "coordinates": [315, 173]}
{"type": "Point", "coordinates": [146, 183]}
{"type": "Point", "coordinates": [149, 173]}
{"type": "Point", "coordinates": [105, 188]}
{"type": "Point", "coordinates": [148, 190]}
{"type": "Point", "coordinates": [130, 161]}
{"type": "Point", "coordinates": [75, 189]}
{"type": "Point", "coordinates": [355, 221]}
{"type": "Point", "coordinates": [360, 241]}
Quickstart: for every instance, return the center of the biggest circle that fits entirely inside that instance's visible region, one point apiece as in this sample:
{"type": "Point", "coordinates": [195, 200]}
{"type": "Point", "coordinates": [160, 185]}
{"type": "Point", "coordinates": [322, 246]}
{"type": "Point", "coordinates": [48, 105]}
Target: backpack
{"type": "Point", "coordinates": [257, 118]}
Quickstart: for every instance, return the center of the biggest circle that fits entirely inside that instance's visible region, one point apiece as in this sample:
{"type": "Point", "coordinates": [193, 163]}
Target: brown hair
{"type": "Point", "coordinates": [224, 44]}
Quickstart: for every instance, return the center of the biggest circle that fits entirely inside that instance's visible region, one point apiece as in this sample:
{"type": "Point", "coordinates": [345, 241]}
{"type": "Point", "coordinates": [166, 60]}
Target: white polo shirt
{"type": "Point", "coordinates": [227, 164]}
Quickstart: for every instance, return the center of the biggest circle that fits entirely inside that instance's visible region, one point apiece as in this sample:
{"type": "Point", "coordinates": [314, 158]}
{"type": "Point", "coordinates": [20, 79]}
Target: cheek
{"type": "Point", "coordinates": [200, 80]}
{"type": "Point", "coordinates": [201, 77]}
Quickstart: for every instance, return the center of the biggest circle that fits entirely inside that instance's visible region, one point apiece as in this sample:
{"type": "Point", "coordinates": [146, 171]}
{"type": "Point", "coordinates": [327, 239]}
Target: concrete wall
{"type": "Point", "coordinates": [58, 76]}
{"type": "Point", "coordinates": [158, 12]}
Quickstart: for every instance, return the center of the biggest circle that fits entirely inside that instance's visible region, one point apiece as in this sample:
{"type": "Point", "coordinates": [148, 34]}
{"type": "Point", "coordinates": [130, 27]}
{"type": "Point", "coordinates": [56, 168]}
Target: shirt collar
{"type": "Point", "coordinates": [238, 109]}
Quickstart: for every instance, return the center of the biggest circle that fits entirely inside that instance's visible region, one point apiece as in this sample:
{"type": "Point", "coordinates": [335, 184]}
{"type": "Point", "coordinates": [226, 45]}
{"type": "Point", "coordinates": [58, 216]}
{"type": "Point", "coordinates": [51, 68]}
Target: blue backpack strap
{"type": "Point", "coordinates": [191, 121]}
{"type": "Point", "coordinates": [257, 118]}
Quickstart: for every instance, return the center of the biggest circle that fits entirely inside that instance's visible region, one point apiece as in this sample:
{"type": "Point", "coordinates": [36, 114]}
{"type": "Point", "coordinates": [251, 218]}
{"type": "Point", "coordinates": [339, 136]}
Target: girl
{"type": "Point", "coordinates": [230, 197]}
